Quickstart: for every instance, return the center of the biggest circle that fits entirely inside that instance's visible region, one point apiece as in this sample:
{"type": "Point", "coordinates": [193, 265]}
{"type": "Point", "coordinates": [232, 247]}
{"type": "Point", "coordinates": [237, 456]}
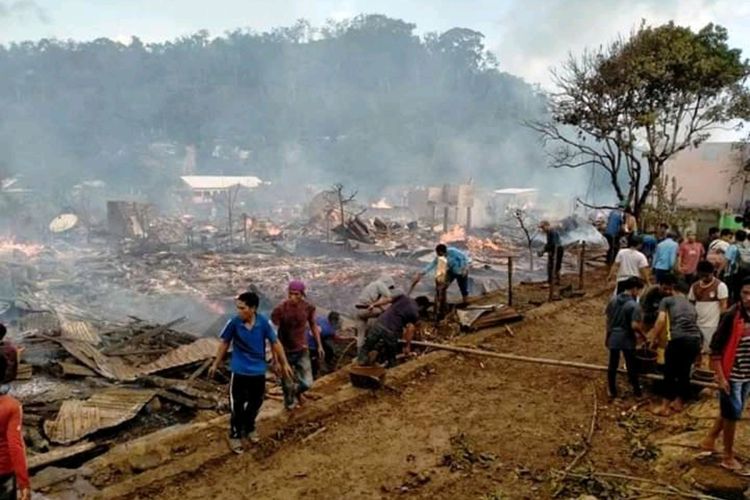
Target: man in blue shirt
{"type": "Point", "coordinates": [328, 328]}
{"type": "Point", "coordinates": [665, 258]}
{"type": "Point", "coordinates": [247, 333]}
{"type": "Point", "coordinates": [449, 264]}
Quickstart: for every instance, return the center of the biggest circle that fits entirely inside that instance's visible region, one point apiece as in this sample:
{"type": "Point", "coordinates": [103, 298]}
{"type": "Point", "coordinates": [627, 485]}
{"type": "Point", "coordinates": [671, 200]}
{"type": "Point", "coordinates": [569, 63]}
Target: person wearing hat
{"type": "Point", "coordinates": [292, 319]}
{"type": "Point", "coordinates": [554, 250]}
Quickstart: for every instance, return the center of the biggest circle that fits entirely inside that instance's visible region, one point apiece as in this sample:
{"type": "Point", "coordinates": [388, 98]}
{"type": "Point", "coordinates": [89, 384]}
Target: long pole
{"type": "Point", "coordinates": [581, 264]}
{"type": "Point", "coordinates": [539, 361]}
{"type": "Point", "coordinates": [510, 280]}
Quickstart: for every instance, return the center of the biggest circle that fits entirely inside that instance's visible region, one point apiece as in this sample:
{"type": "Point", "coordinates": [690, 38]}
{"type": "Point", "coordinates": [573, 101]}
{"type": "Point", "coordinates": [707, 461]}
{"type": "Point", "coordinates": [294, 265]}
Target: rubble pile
{"type": "Point", "coordinates": [81, 381]}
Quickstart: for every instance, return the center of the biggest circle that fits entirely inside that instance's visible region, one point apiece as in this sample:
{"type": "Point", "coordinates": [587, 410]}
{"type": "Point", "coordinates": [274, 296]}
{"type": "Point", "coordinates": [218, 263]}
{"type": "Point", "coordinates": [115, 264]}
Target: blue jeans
{"type": "Point", "coordinates": [733, 403]}
{"type": "Point", "coordinates": [302, 379]}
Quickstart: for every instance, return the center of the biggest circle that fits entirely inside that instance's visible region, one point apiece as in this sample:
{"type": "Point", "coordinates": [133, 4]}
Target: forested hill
{"type": "Point", "coordinates": [365, 101]}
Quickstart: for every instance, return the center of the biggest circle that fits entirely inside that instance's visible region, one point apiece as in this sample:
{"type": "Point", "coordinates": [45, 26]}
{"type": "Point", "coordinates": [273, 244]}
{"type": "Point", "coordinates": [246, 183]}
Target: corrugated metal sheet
{"type": "Point", "coordinates": [77, 419]}
{"type": "Point", "coordinates": [111, 368]}
{"type": "Point", "coordinates": [184, 355]}
{"type": "Point", "coordinates": [79, 330]}
{"type": "Point", "coordinates": [40, 321]}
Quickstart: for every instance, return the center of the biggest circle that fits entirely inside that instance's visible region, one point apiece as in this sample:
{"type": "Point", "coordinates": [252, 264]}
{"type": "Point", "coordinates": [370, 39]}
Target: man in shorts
{"type": "Point", "coordinates": [730, 359]}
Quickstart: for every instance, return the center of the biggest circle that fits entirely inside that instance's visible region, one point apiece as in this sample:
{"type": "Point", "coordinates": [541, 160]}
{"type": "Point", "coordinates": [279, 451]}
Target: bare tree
{"type": "Point", "coordinates": [522, 218]}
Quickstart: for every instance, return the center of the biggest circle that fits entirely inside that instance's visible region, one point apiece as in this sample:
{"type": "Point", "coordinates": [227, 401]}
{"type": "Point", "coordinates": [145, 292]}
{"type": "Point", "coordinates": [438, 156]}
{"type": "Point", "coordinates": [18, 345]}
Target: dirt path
{"type": "Point", "coordinates": [469, 428]}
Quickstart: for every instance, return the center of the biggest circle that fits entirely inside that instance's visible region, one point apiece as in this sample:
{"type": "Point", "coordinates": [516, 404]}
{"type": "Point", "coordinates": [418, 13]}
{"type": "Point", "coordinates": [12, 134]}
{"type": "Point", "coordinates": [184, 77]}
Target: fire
{"type": "Point", "coordinates": [273, 230]}
{"type": "Point", "coordinates": [28, 249]}
{"type": "Point", "coordinates": [381, 203]}
{"type": "Point", "coordinates": [482, 245]}
{"type": "Point", "coordinates": [456, 233]}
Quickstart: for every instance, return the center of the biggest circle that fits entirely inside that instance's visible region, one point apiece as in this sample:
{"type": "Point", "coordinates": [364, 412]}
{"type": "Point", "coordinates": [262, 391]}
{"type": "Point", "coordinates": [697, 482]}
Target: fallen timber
{"type": "Point", "coordinates": [539, 361]}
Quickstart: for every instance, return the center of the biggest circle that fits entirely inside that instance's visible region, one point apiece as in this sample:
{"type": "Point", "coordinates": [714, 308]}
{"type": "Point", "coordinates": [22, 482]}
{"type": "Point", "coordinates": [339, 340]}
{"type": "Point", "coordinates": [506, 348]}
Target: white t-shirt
{"type": "Point", "coordinates": [630, 261]}
{"type": "Point", "coordinates": [709, 311]}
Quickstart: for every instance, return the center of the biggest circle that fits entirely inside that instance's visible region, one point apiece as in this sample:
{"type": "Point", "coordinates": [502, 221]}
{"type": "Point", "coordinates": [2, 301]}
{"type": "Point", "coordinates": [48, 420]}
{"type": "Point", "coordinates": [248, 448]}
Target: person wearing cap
{"type": "Point", "coordinates": [554, 250]}
{"type": "Point", "coordinates": [371, 303]}
{"type": "Point", "coordinates": [292, 318]}
{"type": "Point", "coordinates": [450, 264]}
{"type": "Point", "coordinates": [398, 321]}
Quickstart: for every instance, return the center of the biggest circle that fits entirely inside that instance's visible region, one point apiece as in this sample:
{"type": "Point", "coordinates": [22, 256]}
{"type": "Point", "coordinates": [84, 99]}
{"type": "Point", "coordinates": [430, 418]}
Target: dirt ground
{"type": "Point", "coordinates": [471, 427]}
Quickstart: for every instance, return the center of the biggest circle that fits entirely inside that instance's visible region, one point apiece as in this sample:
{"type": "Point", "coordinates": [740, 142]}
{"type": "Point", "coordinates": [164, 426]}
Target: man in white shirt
{"type": "Point", "coordinates": [710, 296]}
{"type": "Point", "coordinates": [630, 262]}
{"type": "Point", "coordinates": [371, 303]}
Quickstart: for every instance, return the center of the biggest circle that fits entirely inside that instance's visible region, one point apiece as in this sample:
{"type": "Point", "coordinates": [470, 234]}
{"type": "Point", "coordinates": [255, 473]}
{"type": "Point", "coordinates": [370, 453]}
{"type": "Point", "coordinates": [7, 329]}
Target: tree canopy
{"type": "Point", "coordinates": [365, 102]}
{"type": "Point", "coordinates": [636, 103]}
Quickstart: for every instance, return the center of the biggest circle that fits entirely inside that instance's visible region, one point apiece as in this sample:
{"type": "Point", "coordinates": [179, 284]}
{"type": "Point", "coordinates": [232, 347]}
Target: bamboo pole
{"type": "Point", "coordinates": [539, 361]}
{"type": "Point", "coordinates": [510, 281]}
{"type": "Point", "coordinates": [581, 264]}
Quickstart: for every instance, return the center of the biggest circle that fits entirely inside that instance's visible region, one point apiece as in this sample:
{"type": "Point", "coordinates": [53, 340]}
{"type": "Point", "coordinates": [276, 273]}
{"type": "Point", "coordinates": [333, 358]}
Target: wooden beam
{"type": "Point", "coordinates": [539, 361]}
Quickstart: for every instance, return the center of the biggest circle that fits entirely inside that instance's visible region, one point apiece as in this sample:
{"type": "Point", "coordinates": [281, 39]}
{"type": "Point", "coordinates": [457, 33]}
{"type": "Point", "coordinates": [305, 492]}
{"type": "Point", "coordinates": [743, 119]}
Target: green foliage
{"type": "Point", "coordinates": [359, 101]}
{"type": "Point", "coordinates": [636, 103]}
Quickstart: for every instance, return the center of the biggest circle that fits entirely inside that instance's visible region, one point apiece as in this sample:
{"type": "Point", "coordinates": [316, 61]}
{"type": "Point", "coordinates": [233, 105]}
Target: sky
{"type": "Point", "coordinates": [529, 37]}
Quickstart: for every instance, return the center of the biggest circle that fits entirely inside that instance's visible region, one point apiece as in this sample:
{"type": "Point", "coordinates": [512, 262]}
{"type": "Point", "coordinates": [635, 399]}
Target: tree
{"type": "Point", "coordinates": [631, 106]}
{"type": "Point", "coordinates": [522, 218]}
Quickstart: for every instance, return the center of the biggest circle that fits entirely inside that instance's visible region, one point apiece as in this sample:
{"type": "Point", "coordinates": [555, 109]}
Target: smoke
{"type": "Point", "coordinates": [23, 9]}
{"type": "Point", "coordinates": [537, 35]}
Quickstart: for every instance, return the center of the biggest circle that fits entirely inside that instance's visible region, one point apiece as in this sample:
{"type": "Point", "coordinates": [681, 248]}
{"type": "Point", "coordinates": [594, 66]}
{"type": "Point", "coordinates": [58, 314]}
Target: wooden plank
{"type": "Point", "coordinates": [180, 400]}
{"type": "Point", "coordinates": [58, 454]}
{"type": "Point", "coordinates": [24, 372]}
{"type": "Point", "coordinates": [75, 370]}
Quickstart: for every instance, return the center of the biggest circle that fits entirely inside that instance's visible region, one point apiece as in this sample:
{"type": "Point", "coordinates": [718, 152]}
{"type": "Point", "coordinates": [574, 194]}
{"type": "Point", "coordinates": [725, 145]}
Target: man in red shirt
{"type": "Point", "coordinates": [689, 254]}
{"type": "Point", "coordinates": [13, 469]}
{"type": "Point", "coordinates": [292, 318]}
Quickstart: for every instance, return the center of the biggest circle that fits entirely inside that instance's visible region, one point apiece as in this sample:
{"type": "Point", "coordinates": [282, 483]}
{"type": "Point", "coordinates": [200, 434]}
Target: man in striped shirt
{"type": "Point", "coordinates": [730, 359]}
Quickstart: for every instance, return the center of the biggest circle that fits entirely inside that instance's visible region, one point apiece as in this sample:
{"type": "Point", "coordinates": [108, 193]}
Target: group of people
{"type": "Point", "coordinates": [301, 341]}
{"type": "Point", "coordinates": [693, 315]}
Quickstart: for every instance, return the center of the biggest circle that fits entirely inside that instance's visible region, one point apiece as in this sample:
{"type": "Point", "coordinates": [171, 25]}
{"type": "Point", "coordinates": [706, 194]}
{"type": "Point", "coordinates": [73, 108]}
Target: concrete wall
{"type": "Point", "coordinates": [710, 176]}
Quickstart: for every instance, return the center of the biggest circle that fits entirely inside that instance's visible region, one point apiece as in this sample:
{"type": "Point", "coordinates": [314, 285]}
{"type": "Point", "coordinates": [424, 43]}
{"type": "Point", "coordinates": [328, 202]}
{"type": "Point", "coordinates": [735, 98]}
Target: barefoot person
{"type": "Point", "coordinates": [678, 323]}
{"type": "Point", "coordinates": [14, 474]}
{"type": "Point", "coordinates": [247, 333]}
{"type": "Point", "coordinates": [730, 359]}
{"type": "Point", "coordinates": [623, 330]}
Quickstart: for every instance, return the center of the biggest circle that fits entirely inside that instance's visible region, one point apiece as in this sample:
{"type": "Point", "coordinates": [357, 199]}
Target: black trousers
{"type": "Point", "coordinates": [678, 362]}
{"type": "Point", "coordinates": [8, 487]}
{"type": "Point", "coordinates": [614, 243]}
{"type": "Point", "coordinates": [632, 365]}
{"type": "Point", "coordinates": [554, 264]}
{"type": "Point", "coordinates": [330, 357]}
{"type": "Point", "coordinates": [246, 394]}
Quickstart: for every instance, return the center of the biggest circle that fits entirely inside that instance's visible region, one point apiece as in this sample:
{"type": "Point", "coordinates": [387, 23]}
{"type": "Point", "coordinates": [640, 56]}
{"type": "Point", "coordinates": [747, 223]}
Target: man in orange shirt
{"type": "Point", "coordinates": [14, 473]}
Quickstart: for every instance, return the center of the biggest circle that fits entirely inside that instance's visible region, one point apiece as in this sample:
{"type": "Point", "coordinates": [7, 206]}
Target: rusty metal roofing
{"type": "Point", "coordinates": [79, 330]}
{"type": "Point", "coordinates": [109, 367]}
{"type": "Point", "coordinates": [199, 350]}
{"type": "Point", "coordinates": [108, 408]}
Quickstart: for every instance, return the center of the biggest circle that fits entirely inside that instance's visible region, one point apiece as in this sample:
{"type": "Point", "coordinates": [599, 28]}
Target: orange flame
{"type": "Point", "coordinates": [28, 249]}
{"type": "Point", "coordinates": [456, 233]}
